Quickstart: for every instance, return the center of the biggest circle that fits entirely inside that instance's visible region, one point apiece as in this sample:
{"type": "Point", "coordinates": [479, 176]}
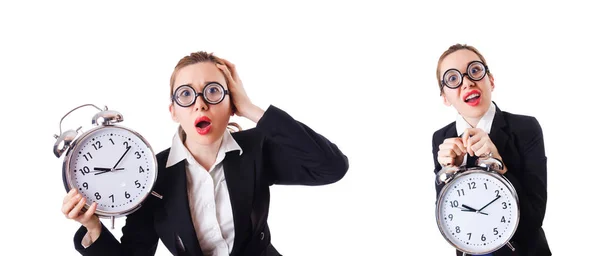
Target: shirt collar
{"type": "Point", "coordinates": [179, 152]}
{"type": "Point", "coordinates": [485, 123]}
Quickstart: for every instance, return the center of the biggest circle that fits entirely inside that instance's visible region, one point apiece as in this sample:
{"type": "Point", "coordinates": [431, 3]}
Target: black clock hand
{"type": "Point", "coordinates": [100, 170]}
{"type": "Point", "coordinates": [489, 203]}
{"type": "Point", "coordinates": [122, 157]}
{"type": "Point", "coordinates": [107, 169]}
{"type": "Point", "coordinates": [471, 209]}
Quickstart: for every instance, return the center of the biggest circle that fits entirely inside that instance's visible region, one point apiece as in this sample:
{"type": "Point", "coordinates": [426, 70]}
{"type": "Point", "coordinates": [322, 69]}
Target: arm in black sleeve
{"type": "Point", "coordinates": [534, 173]}
{"type": "Point", "coordinates": [139, 238]}
{"type": "Point", "coordinates": [295, 154]}
{"type": "Point", "coordinates": [436, 165]}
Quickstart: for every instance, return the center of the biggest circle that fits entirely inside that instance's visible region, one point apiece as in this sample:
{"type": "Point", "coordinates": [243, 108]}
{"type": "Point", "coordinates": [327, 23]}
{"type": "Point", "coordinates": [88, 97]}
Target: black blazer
{"type": "Point", "coordinates": [279, 150]}
{"type": "Point", "coordinates": [520, 143]}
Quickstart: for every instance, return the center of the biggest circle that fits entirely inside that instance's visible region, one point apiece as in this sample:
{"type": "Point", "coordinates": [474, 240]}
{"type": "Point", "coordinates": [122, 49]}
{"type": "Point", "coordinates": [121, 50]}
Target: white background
{"type": "Point", "coordinates": [362, 74]}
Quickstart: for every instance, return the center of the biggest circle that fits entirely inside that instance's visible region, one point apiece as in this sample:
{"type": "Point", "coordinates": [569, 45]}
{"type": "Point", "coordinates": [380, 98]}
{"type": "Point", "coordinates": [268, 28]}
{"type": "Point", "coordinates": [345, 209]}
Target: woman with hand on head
{"type": "Point", "coordinates": [482, 128]}
{"type": "Point", "coordinates": [214, 182]}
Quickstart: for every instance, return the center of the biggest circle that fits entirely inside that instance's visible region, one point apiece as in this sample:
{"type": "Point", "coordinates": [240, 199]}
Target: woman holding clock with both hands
{"type": "Point", "coordinates": [482, 128]}
{"type": "Point", "coordinates": [214, 183]}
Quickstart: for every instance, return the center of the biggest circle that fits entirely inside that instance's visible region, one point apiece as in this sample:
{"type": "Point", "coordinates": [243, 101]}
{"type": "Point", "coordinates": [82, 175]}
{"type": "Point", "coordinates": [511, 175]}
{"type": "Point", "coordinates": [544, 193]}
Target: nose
{"type": "Point", "coordinates": [200, 104]}
{"type": "Point", "coordinates": [467, 82]}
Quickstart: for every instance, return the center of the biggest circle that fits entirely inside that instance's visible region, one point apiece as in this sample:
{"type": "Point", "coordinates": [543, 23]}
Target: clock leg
{"type": "Point", "coordinates": [511, 246]}
{"type": "Point", "coordinates": [156, 194]}
{"type": "Point", "coordinates": [112, 220]}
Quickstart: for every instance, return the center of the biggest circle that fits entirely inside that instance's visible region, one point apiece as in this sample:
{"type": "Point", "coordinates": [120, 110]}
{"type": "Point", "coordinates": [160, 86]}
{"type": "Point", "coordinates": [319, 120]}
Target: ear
{"type": "Point", "coordinates": [232, 109]}
{"type": "Point", "coordinates": [173, 116]}
{"type": "Point", "coordinates": [492, 81]}
{"type": "Point", "coordinates": [446, 102]}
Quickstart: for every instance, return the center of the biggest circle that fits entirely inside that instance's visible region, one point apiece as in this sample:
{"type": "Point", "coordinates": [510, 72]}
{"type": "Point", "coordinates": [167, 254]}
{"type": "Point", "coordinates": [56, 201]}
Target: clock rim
{"type": "Point", "coordinates": [495, 175]}
{"type": "Point", "coordinates": [66, 176]}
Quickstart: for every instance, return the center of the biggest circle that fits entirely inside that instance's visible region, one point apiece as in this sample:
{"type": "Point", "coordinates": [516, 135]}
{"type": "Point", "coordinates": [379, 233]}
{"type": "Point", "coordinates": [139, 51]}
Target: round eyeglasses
{"type": "Point", "coordinates": [213, 93]}
{"type": "Point", "coordinates": [453, 78]}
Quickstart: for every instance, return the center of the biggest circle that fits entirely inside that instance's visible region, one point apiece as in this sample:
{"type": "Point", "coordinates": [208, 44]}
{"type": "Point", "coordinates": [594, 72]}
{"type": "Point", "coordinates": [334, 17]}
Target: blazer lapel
{"type": "Point", "coordinates": [240, 183]}
{"type": "Point", "coordinates": [451, 133]}
{"type": "Point", "coordinates": [498, 134]}
{"type": "Point", "coordinates": [178, 210]}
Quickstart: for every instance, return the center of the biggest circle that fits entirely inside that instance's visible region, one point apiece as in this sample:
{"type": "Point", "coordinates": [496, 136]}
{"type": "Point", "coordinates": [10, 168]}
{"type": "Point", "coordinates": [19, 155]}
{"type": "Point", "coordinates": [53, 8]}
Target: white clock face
{"type": "Point", "coordinates": [114, 168]}
{"type": "Point", "coordinates": [478, 213]}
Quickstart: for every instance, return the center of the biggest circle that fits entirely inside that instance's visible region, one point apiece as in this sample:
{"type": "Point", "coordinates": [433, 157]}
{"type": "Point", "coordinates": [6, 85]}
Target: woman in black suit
{"type": "Point", "coordinates": [517, 140]}
{"type": "Point", "coordinates": [214, 181]}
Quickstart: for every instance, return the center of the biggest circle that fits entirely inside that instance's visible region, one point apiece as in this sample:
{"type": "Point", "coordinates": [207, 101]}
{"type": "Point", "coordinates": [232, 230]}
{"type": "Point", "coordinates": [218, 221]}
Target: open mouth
{"type": "Point", "coordinates": [203, 125]}
{"type": "Point", "coordinates": [472, 98]}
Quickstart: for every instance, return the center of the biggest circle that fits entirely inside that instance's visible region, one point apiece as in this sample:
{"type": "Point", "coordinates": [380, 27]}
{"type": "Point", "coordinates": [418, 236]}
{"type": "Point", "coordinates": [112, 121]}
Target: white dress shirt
{"type": "Point", "coordinates": [485, 123]}
{"type": "Point", "coordinates": [208, 196]}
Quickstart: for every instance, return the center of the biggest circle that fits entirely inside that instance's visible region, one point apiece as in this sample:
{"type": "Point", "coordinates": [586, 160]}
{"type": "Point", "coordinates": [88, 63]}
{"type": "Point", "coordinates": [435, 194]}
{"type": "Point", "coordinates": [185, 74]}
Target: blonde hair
{"type": "Point", "coordinates": [450, 50]}
{"type": "Point", "coordinates": [199, 57]}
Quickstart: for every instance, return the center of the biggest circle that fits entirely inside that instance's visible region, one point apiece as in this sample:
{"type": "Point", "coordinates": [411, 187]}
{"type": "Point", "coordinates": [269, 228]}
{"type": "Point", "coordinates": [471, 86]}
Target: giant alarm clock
{"type": "Point", "coordinates": [477, 210]}
{"type": "Point", "coordinates": [109, 164]}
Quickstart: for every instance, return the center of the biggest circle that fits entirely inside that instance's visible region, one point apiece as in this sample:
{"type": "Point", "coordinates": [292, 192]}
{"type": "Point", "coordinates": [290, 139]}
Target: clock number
{"type": "Point", "coordinates": [97, 196]}
{"type": "Point", "coordinates": [111, 141]}
{"type": "Point", "coordinates": [84, 170]}
{"type": "Point", "coordinates": [451, 216]}
{"type": "Point", "coordinates": [454, 203]}
{"type": "Point", "coordinates": [472, 185]}
{"type": "Point", "coordinates": [138, 185]}
{"type": "Point", "coordinates": [97, 145]}
{"type": "Point", "coordinates": [497, 193]}
{"type": "Point", "coordinates": [137, 154]}
{"type": "Point", "coordinates": [503, 220]}
{"type": "Point", "coordinates": [141, 169]}
{"type": "Point", "coordinates": [85, 185]}
{"type": "Point", "coordinates": [504, 205]}
{"type": "Point", "coordinates": [127, 195]}
{"type": "Point", "coordinates": [469, 234]}
{"type": "Point", "coordinates": [126, 144]}
{"type": "Point", "coordinates": [483, 237]}
{"type": "Point", "coordinates": [485, 184]}
{"type": "Point", "coordinates": [461, 191]}
{"type": "Point", "coordinates": [495, 231]}
{"type": "Point", "coordinates": [86, 156]}
{"type": "Point", "coordinates": [457, 229]}
{"type": "Point", "coordinates": [112, 197]}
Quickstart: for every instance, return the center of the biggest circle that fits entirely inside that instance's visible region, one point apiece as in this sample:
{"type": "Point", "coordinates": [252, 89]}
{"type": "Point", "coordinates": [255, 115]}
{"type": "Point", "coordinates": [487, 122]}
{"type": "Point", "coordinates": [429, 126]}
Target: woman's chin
{"type": "Point", "coordinates": [205, 136]}
{"type": "Point", "coordinates": [474, 112]}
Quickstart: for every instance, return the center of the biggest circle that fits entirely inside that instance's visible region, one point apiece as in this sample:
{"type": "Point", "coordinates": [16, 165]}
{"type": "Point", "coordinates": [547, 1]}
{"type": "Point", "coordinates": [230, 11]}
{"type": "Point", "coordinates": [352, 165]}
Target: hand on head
{"type": "Point", "coordinates": [242, 105]}
{"type": "Point", "coordinates": [239, 98]}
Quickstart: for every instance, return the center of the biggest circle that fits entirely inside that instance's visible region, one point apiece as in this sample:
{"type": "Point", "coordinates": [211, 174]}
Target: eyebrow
{"type": "Point", "coordinates": [205, 84]}
{"type": "Point", "coordinates": [471, 61]}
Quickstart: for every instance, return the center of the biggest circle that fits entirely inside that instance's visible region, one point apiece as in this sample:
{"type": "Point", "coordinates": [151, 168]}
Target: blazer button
{"type": "Point", "coordinates": [262, 235]}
